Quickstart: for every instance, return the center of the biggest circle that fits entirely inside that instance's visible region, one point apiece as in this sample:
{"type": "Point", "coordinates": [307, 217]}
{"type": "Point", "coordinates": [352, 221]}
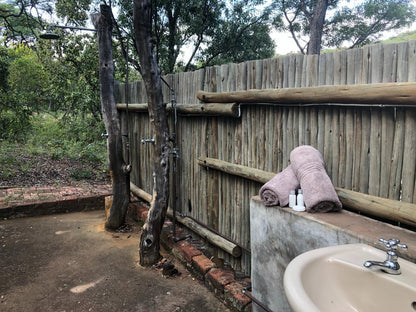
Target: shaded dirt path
{"type": "Point", "coordinates": [69, 263]}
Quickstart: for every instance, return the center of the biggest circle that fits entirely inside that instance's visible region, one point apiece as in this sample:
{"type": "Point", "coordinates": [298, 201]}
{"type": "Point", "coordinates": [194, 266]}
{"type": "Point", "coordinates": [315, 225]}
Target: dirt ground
{"type": "Point", "coordinates": [30, 171]}
{"type": "Point", "coordinates": [69, 262]}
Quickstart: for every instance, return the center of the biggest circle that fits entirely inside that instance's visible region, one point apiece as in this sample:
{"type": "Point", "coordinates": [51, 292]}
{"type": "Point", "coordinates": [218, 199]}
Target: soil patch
{"type": "Point", "coordinates": [20, 170]}
{"type": "Point", "coordinates": [69, 263]}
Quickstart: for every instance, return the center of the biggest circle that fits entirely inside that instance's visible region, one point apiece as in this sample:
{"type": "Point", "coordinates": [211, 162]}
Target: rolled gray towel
{"type": "Point", "coordinates": [276, 191]}
{"type": "Point", "coordinates": [319, 194]}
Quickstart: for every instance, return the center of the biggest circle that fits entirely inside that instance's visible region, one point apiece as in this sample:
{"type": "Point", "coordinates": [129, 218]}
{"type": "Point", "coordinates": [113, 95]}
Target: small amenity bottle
{"type": "Point", "coordinates": [292, 199]}
{"type": "Point", "coordinates": [300, 198]}
{"type": "Point", "coordinates": [300, 205]}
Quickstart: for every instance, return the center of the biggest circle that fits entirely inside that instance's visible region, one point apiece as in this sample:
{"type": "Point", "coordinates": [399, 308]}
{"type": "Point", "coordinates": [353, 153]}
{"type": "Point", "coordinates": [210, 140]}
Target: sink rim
{"type": "Point", "coordinates": [294, 288]}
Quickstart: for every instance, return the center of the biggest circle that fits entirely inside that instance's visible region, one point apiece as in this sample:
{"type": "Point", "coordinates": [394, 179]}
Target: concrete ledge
{"type": "Point", "coordinates": [279, 234]}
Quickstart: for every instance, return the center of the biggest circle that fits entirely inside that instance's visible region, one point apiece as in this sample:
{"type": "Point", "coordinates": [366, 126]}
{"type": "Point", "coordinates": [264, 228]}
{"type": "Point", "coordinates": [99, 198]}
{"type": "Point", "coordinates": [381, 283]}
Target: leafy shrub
{"type": "Point", "coordinates": [14, 124]}
{"type": "Point", "coordinates": [81, 174]}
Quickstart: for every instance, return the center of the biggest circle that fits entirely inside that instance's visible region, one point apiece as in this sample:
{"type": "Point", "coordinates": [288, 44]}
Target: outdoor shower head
{"type": "Point", "coordinates": [49, 35]}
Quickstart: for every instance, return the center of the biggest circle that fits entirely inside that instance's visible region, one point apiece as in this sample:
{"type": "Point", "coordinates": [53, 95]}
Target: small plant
{"type": "Point", "coordinates": [81, 174]}
{"type": "Point", "coordinates": [55, 140]}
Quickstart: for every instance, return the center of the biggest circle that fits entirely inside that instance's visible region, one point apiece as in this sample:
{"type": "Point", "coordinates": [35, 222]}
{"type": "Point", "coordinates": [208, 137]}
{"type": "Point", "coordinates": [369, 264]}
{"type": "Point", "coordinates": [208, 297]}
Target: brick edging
{"type": "Point", "coordinates": [69, 204]}
{"type": "Point", "coordinates": [221, 282]}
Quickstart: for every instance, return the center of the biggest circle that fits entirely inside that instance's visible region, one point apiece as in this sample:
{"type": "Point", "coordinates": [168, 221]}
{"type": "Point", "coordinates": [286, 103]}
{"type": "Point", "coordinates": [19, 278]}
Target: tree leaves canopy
{"type": "Point", "coordinates": [351, 26]}
{"type": "Point", "coordinates": [365, 23]}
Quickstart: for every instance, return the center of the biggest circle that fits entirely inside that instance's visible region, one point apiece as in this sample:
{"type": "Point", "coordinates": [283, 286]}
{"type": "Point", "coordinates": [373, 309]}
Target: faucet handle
{"type": "Point", "coordinates": [393, 243]}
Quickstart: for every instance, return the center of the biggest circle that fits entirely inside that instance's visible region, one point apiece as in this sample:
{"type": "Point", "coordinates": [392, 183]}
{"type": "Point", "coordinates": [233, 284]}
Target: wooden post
{"type": "Point", "coordinates": [211, 109]}
{"type": "Point", "coordinates": [215, 239]}
{"type": "Point", "coordinates": [150, 238]}
{"type": "Point", "coordinates": [119, 170]}
{"type": "Point", "coordinates": [400, 94]}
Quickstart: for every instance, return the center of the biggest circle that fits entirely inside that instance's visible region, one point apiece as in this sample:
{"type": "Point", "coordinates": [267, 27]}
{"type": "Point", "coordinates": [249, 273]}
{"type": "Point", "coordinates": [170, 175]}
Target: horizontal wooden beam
{"type": "Point", "coordinates": [394, 94]}
{"type": "Point", "coordinates": [215, 239]}
{"type": "Point", "coordinates": [389, 209]}
{"type": "Point", "coordinates": [249, 173]}
{"type": "Point", "coordinates": [385, 208]}
{"type": "Point", "coordinates": [140, 193]}
{"type": "Point", "coordinates": [210, 236]}
{"type": "Point", "coordinates": [211, 109]}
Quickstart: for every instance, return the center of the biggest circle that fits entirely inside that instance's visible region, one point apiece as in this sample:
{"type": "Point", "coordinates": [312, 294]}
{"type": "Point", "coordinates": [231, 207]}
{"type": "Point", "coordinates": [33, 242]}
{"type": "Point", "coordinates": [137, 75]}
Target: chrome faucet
{"type": "Point", "coordinates": [390, 265]}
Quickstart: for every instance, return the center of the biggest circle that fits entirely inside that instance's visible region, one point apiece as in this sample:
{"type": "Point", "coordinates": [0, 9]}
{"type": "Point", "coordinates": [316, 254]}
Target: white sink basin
{"type": "Point", "coordinates": [334, 279]}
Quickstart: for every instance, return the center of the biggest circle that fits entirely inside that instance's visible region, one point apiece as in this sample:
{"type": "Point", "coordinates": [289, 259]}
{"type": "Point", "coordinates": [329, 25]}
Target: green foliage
{"type": "Point", "coordinates": [366, 22]}
{"type": "Point", "coordinates": [353, 26]}
{"type": "Point", "coordinates": [72, 138]}
{"type": "Point", "coordinates": [14, 123]}
{"type": "Point", "coordinates": [82, 174]}
{"type": "Point", "coordinates": [72, 62]}
{"type": "Point", "coordinates": [27, 79]}
{"type": "Point", "coordinates": [20, 18]}
{"type": "Point", "coordinates": [410, 35]}
{"type": "Point", "coordinates": [52, 138]}
{"type": "Point", "coordinates": [5, 60]}
{"type": "Point", "coordinates": [296, 17]}
{"type": "Point", "coordinates": [21, 90]}
{"type": "Point", "coordinates": [241, 36]}
{"type": "Point", "coordinates": [75, 12]}
{"type": "Point", "coordinates": [214, 31]}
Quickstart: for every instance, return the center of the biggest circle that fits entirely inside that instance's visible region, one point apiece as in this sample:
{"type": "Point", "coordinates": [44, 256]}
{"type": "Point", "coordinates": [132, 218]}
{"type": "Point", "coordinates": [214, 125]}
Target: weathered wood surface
{"type": "Point", "coordinates": [400, 94]}
{"type": "Point", "coordinates": [263, 137]}
{"type": "Point", "coordinates": [150, 237]}
{"type": "Point", "coordinates": [118, 168]}
{"type": "Point", "coordinates": [210, 236]}
{"type": "Point", "coordinates": [211, 109]}
{"type": "Point", "coordinates": [372, 205]}
{"type": "Point", "coordinates": [140, 193]}
{"type": "Point", "coordinates": [235, 169]}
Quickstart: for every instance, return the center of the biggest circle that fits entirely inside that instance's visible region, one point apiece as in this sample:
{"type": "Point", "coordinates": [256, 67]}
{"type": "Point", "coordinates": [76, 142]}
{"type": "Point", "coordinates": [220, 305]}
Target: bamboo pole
{"type": "Point", "coordinates": [211, 109]}
{"type": "Point", "coordinates": [398, 94]}
{"type": "Point", "coordinates": [215, 239]}
{"type": "Point", "coordinates": [372, 205]}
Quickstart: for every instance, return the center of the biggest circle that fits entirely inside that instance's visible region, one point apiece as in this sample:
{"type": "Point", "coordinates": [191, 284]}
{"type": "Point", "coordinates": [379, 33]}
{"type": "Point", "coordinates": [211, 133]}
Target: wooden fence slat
{"type": "Point", "coordinates": [402, 62]}
{"type": "Point", "coordinates": [397, 156]}
{"type": "Point", "coordinates": [370, 149]}
{"type": "Point", "coordinates": [409, 156]}
{"type": "Point", "coordinates": [387, 143]}
{"type": "Point", "coordinates": [374, 153]}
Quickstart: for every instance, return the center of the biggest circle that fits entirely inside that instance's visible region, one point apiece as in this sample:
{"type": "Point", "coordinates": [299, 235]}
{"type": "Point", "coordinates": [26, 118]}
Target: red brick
{"type": "Point", "coordinates": [202, 264]}
{"type": "Point", "coordinates": [30, 197]}
{"type": "Point", "coordinates": [142, 213]}
{"type": "Point", "coordinates": [248, 308]}
{"type": "Point", "coordinates": [235, 297]}
{"type": "Point", "coordinates": [46, 189]}
{"type": "Point", "coordinates": [219, 278]}
{"type": "Point", "coordinates": [188, 251]}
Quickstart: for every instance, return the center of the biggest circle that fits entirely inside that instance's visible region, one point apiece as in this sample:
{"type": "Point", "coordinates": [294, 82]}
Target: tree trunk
{"type": "Point", "coordinates": [150, 238]}
{"type": "Point", "coordinates": [317, 26]}
{"type": "Point", "coordinates": [119, 170]}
